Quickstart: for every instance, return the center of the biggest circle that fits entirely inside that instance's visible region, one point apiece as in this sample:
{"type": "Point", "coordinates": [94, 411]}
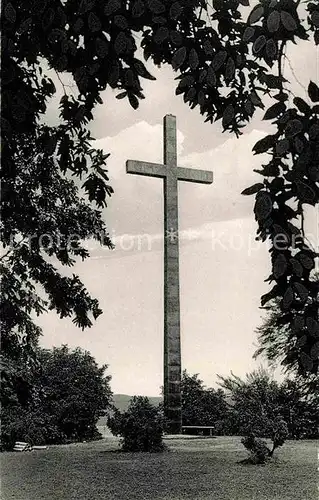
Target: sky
{"type": "Point", "coordinates": [222, 267]}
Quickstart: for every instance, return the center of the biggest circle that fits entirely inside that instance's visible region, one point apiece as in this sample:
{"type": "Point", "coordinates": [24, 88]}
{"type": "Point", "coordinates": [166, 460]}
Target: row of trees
{"type": "Point", "coordinates": [252, 405]}
{"type": "Point", "coordinates": [61, 396]}
{"type": "Point", "coordinates": [257, 408]}
{"type": "Point", "coordinates": [62, 399]}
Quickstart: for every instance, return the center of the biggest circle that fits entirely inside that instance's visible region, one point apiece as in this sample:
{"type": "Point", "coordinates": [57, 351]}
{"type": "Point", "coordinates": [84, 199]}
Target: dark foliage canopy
{"type": "Point", "coordinates": [225, 65]}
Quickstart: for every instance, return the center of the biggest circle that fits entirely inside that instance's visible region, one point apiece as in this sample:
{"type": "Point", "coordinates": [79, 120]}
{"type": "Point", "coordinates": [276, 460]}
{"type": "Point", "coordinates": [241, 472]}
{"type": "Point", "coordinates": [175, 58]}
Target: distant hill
{"type": "Point", "coordinates": [122, 401]}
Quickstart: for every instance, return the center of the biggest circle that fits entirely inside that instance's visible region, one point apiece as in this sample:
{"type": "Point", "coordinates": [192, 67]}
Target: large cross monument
{"type": "Point", "coordinates": [171, 174]}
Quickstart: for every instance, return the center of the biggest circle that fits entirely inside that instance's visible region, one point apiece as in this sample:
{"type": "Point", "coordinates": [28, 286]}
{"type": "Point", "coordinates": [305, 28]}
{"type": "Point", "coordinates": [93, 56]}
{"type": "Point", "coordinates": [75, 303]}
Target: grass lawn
{"type": "Point", "coordinates": [193, 469]}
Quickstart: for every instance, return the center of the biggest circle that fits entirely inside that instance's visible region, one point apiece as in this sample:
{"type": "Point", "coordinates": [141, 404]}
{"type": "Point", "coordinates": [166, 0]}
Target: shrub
{"type": "Point", "coordinates": [140, 427]}
{"type": "Point", "coordinates": [259, 452]}
{"type": "Point", "coordinates": [258, 449]}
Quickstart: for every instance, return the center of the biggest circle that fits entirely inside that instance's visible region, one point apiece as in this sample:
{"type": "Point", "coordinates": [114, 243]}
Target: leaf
{"type": "Point", "coordinates": [263, 206]}
{"type": "Point", "coordinates": [248, 33]}
{"type": "Point", "coordinates": [78, 25]}
{"type": "Point", "coordinates": [259, 44]}
{"type": "Point", "coordinates": [202, 75]}
{"type": "Point", "coordinates": [228, 115]}
{"type": "Point", "coordinates": [186, 81]}
{"type": "Point", "coordinates": [193, 59]}
{"type": "Point", "coordinates": [272, 81]}
{"type": "Point", "coordinates": [288, 21]}
{"type": "Point", "coordinates": [298, 324]}
{"type": "Point", "coordinates": [249, 107]}
{"type": "Point", "coordinates": [256, 100]}
{"type": "Point", "coordinates": [312, 326]}
{"type": "Point", "coordinates": [176, 37]}
{"type": "Point", "coordinates": [101, 47]}
{"type": "Point", "coordinates": [273, 21]}
{"type": "Point", "coordinates": [201, 98]}
{"type": "Point", "coordinates": [156, 6]}
{"type": "Point", "coordinates": [219, 59]}
{"type": "Point", "coordinates": [86, 5]}
{"type": "Point", "coordinates": [10, 13]}
{"type": "Point", "coordinates": [253, 189]}
{"type": "Point", "coordinates": [282, 147]}
{"type": "Point", "coordinates": [191, 93]}
{"type": "Point", "coordinates": [114, 74]}
{"type": "Point", "coordinates": [159, 20]}
{"type": "Point", "coordinates": [121, 22]}
{"type": "Point", "coordinates": [94, 22]}
{"type": "Point", "coordinates": [120, 43]}
{"type": "Point", "coordinates": [288, 298]}
{"type": "Point", "coordinates": [306, 261]}
{"type": "Point", "coordinates": [302, 105]}
{"type": "Point", "coordinates": [306, 361]}
{"type": "Point", "coordinates": [179, 57]}
{"type": "Point", "coordinates": [293, 128]}
{"type": "Point", "coordinates": [25, 25]}
{"type": "Point", "coordinates": [112, 6]}
{"type": "Point", "coordinates": [129, 77]}
{"type": "Point", "coordinates": [211, 77]}
{"type": "Point", "coordinates": [264, 144]}
{"type": "Point", "coordinates": [142, 71]}
{"type": "Point", "coordinates": [296, 267]}
{"type": "Point", "coordinates": [299, 145]}
{"type": "Point", "coordinates": [280, 266]}
{"type": "Point", "coordinates": [313, 92]}
{"type": "Point", "coordinates": [271, 49]}
{"type": "Point", "coordinates": [138, 8]}
{"type": "Point", "coordinates": [281, 96]}
{"type": "Point", "coordinates": [230, 69]}
{"type": "Point", "coordinates": [306, 193]}
{"type": "Point", "coordinates": [121, 95]}
{"type": "Point", "coordinates": [302, 341]}
{"type": "Point", "coordinates": [314, 351]}
{"type": "Point", "coordinates": [47, 19]}
{"type": "Point", "coordinates": [208, 48]}
{"type": "Point", "coordinates": [274, 111]}
{"type": "Point", "coordinates": [255, 14]}
{"type": "Point", "coordinates": [270, 295]}
{"type": "Point", "coordinates": [218, 4]}
{"type": "Point", "coordinates": [314, 131]}
{"type": "Point", "coordinates": [315, 18]}
{"type": "Point", "coordinates": [161, 34]}
{"type": "Point", "coordinates": [301, 291]}
{"type": "Point", "coordinates": [175, 11]}
{"type": "Point", "coordinates": [133, 100]}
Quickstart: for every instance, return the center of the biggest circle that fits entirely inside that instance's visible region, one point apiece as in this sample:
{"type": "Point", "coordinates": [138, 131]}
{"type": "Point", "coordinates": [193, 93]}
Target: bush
{"type": "Point", "coordinates": [25, 424]}
{"type": "Point", "coordinates": [259, 452]}
{"type": "Point", "coordinates": [140, 427]}
{"type": "Point", "coordinates": [258, 449]}
{"type": "Point", "coordinates": [66, 395]}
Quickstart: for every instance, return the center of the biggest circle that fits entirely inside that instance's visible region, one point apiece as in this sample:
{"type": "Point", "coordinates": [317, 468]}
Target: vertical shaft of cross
{"type": "Point", "coordinates": [171, 174]}
{"type": "Point", "coordinates": [172, 346]}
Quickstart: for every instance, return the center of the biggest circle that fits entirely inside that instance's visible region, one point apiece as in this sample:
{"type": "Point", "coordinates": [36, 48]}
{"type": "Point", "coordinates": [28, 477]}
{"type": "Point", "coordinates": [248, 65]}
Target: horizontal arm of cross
{"type": "Point", "coordinates": [146, 168]}
{"type": "Point", "coordinates": [158, 170]}
{"type": "Point", "coordinates": [194, 175]}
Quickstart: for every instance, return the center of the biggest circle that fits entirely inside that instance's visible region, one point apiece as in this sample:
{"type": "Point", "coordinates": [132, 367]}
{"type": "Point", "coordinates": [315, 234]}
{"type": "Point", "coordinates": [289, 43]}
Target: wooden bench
{"type": "Point", "coordinates": [22, 446]}
{"type": "Point", "coordinates": [210, 427]}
